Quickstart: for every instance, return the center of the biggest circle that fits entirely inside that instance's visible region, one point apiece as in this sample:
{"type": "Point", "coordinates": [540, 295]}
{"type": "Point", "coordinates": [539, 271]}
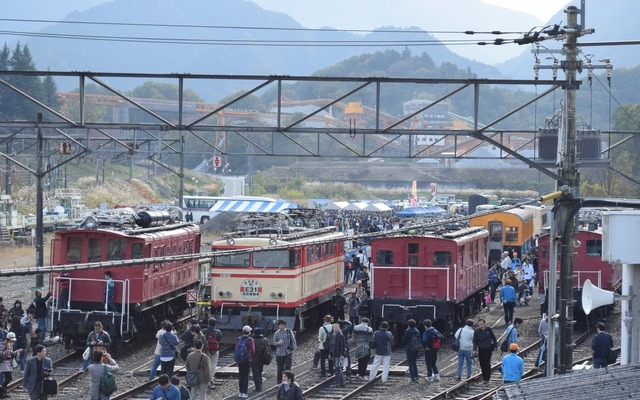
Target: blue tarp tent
{"type": "Point", "coordinates": [420, 211]}
{"type": "Point", "coordinates": [250, 206]}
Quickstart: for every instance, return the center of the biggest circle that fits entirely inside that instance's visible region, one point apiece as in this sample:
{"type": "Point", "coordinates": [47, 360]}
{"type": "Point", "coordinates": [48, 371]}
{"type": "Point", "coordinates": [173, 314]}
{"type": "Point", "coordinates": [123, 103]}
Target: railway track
{"type": "Point", "coordinates": [226, 367]}
{"type": "Point", "coordinates": [65, 371]}
{"type": "Point", "coordinates": [475, 389]}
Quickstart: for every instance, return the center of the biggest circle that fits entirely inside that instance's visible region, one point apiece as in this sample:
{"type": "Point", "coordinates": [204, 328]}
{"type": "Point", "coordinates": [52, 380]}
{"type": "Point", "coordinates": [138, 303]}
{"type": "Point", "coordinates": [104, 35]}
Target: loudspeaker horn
{"type": "Point", "coordinates": [594, 297]}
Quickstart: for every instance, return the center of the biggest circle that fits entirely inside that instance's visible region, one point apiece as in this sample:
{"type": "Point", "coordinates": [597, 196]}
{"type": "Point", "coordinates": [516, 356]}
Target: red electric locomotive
{"type": "Point", "coordinates": [142, 293]}
{"type": "Point", "coordinates": [435, 276]}
{"type": "Point", "coordinates": [587, 263]}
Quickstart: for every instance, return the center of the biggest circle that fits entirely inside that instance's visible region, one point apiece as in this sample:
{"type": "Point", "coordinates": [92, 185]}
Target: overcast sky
{"type": "Point", "coordinates": [429, 15]}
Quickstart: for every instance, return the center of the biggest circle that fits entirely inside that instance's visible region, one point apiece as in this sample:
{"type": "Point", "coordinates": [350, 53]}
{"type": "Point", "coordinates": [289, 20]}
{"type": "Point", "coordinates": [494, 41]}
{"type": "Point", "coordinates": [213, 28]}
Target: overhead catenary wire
{"type": "Point", "coordinates": [268, 28]}
{"type": "Point", "coordinates": [252, 42]}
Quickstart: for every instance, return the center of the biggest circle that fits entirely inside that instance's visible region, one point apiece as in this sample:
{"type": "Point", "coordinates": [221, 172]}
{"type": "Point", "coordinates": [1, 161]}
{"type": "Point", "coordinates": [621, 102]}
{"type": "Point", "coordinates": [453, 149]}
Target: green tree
{"type": "Point", "coordinates": [50, 93]}
{"type": "Point", "coordinates": [17, 106]}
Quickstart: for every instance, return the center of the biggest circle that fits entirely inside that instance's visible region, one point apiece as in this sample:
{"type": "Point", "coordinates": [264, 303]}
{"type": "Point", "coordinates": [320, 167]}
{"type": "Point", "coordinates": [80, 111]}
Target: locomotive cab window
{"type": "Point", "coordinates": [115, 248]}
{"type": "Point", "coordinates": [495, 232]}
{"type": "Point", "coordinates": [309, 253]}
{"type": "Point", "coordinates": [136, 250]}
{"type": "Point", "coordinates": [511, 234]}
{"type": "Point", "coordinates": [294, 258]}
{"type": "Point", "coordinates": [594, 248]}
{"type": "Point", "coordinates": [74, 250]}
{"type": "Point", "coordinates": [271, 259]}
{"type": "Point", "coordinates": [412, 257]}
{"type": "Point", "coordinates": [384, 257]}
{"type": "Point", "coordinates": [236, 260]}
{"type": "Point", "coordinates": [95, 249]}
{"type": "Point", "coordinates": [442, 258]}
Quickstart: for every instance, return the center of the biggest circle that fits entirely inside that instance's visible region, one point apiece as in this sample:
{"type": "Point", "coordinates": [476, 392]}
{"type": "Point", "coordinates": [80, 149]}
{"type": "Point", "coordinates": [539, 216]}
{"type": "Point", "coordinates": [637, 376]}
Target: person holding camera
{"type": "Point", "coordinates": [101, 361]}
{"type": "Point", "coordinates": [36, 370]}
{"type": "Point", "coordinates": [97, 337]}
{"type": "Point", "coordinates": [285, 344]}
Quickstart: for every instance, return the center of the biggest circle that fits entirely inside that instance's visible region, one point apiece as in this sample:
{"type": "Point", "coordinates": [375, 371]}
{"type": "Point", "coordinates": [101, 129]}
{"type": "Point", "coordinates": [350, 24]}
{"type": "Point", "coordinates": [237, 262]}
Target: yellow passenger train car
{"type": "Point", "coordinates": [514, 228]}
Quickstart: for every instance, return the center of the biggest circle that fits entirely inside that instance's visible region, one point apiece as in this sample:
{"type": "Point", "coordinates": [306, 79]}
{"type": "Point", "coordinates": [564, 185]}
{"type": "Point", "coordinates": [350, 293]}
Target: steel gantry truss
{"type": "Point", "coordinates": [324, 130]}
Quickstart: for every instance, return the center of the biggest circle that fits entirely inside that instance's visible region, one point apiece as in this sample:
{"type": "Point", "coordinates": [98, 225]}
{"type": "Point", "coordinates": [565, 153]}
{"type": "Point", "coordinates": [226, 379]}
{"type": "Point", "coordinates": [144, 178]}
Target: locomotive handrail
{"type": "Point", "coordinates": [410, 269]}
{"type": "Point", "coordinates": [577, 274]}
{"type": "Point", "coordinates": [124, 307]}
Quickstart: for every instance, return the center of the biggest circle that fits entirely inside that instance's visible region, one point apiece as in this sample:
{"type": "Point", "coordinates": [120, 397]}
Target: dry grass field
{"type": "Point", "coordinates": [16, 255]}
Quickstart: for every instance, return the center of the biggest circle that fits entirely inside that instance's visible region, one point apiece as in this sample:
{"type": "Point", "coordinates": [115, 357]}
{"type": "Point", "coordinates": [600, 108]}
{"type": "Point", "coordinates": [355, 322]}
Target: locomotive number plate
{"type": "Point", "coordinates": [251, 289]}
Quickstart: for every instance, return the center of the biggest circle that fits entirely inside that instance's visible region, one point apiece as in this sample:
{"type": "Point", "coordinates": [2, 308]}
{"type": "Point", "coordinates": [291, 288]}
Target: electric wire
{"type": "Point", "coordinates": [163, 25]}
{"type": "Point", "coordinates": [250, 42]}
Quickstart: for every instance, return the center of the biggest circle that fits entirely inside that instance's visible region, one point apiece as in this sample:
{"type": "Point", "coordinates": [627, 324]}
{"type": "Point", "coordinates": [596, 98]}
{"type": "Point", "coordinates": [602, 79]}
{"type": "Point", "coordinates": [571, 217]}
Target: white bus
{"type": "Point", "coordinates": [199, 206]}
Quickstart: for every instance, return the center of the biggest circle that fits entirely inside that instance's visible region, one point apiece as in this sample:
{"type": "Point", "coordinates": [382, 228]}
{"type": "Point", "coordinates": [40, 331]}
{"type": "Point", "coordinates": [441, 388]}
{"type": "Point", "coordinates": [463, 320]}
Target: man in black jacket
{"type": "Point", "coordinates": [601, 344]}
{"type": "Point", "coordinates": [484, 343]}
{"type": "Point", "coordinates": [338, 302]}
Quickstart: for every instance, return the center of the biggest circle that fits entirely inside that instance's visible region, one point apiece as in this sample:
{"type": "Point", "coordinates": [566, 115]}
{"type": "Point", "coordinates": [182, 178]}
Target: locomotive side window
{"type": "Point", "coordinates": [271, 259]}
{"type": "Point", "coordinates": [543, 251]}
{"type": "Point", "coordinates": [325, 249]}
{"type": "Point", "coordinates": [511, 234]}
{"type": "Point", "coordinates": [236, 260]}
{"type": "Point", "coordinates": [95, 249]}
{"type": "Point", "coordinates": [74, 250]}
{"type": "Point", "coordinates": [594, 248]}
{"type": "Point", "coordinates": [384, 257]}
{"type": "Point", "coordinates": [413, 254]}
{"type": "Point", "coordinates": [309, 253]}
{"type": "Point", "coordinates": [136, 250]}
{"type": "Point", "coordinates": [495, 232]}
{"type": "Point", "coordinates": [294, 258]}
{"type": "Point", "coordinates": [332, 249]}
{"type": "Point", "coordinates": [318, 252]}
{"type": "Point", "coordinates": [115, 249]}
{"type": "Point", "coordinates": [442, 258]}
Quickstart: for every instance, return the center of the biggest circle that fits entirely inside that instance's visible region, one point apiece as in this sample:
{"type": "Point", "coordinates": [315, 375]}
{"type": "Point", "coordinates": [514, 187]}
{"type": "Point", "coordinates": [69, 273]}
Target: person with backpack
{"type": "Point", "coordinates": [244, 351]}
{"type": "Point", "coordinates": [102, 362]}
{"type": "Point", "coordinates": [324, 344]}
{"type": "Point", "coordinates": [199, 362]}
{"type": "Point", "coordinates": [262, 346]}
{"type": "Point", "coordinates": [364, 335]}
{"type": "Point", "coordinates": [412, 345]}
{"type": "Point", "coordinates": [512, 333]}
{"type": "Point", "coordinates": [484, 343]}
{"type": "Point", "coordinates": [382, 339]}
{"type": "Point", "coordinates": [464, 336]}
{"type": "Point", "coordinates": [213, 336]}
{"type": "Point", "coordinates": [431, 340]}
{"type": "Point", "coordinates": [285, 344]}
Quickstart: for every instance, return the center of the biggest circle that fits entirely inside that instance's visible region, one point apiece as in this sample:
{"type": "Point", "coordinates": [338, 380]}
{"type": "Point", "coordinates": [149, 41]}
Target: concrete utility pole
{"type": "Point", "coordinates": [39, 207]}
{"type": "Point", "coordinates": [567, 207]}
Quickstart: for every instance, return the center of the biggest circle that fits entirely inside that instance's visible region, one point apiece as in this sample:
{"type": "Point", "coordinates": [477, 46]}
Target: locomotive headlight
{"type": "Point", "coordinates": [231, 241]}
{"type": "Point", "coordinates": [280, 295]}
{"type": "Point", "coordinates": [227, 293]}
{"type": "Point", "coordinates": [221, 293]}
{"type": "Point", "coordinates": [90, 223]}
{"type": "Point", "coordinates": [273, 294]}
{"type": "Point", "coordinates": [272, 242]}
